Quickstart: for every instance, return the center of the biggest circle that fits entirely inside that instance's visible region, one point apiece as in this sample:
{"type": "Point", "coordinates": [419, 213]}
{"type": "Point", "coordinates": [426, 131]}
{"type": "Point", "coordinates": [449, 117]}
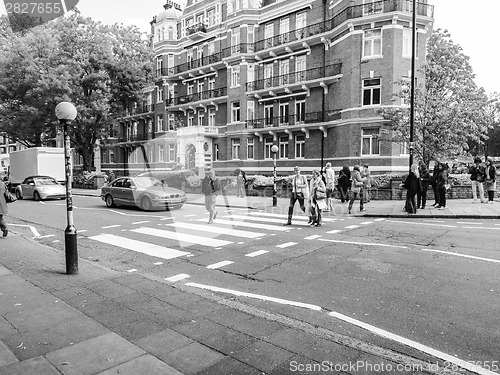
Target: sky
{"type": "Point", "coordinates": [470, 23]}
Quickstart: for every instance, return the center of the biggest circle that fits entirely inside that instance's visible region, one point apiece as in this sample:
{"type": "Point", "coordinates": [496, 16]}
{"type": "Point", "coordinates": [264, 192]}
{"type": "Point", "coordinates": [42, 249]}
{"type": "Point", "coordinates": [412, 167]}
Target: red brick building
{"type": "Point", "coordinates": [238, 76]}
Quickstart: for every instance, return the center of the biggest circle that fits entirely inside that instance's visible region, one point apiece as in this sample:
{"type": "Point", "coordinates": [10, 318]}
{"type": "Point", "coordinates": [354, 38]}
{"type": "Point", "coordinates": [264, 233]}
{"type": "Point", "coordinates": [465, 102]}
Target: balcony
{"type": "Point", "coordinates": [292, 120]}
{"type": "Point", "coordinates": [204, 95]}
{"type": "Point", "coordinates": [299, 77]}
{"type": "Point", "coordinates": [349, 13]}
{"type": "Point", "coordinates": [197, 31]}
{"type": "Point", "coordinates": [139, 110]}
{"type": "Point", "coordinates": [164, 72]}
{"type": "Point", "coordinates": [135, 138]}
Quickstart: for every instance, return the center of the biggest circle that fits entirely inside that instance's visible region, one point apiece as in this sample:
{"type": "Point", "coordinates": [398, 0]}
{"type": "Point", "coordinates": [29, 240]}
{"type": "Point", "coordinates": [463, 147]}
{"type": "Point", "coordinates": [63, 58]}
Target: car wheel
{"type": "Point", "coordinates": [146, 203]}
{"type": "Point", "coordinates": [36, 196]}
{"type": "Point", "coordinates": [109, 201]}
{"type": "Point", "coordinates": [18, 194]}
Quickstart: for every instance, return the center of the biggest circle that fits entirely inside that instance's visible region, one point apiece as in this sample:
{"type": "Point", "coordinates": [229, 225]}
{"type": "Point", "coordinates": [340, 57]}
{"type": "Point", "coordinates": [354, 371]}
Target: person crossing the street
{"type": "Point", "coordinates": [300, 192]}
{"type": "Point", "coordinates": [211, 187]}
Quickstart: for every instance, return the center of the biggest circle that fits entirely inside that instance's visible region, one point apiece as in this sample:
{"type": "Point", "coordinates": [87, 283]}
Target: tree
{"type": "Point", "coordinates": [450, 110]}
{"type": "Point", "coordinates": [101, 69]}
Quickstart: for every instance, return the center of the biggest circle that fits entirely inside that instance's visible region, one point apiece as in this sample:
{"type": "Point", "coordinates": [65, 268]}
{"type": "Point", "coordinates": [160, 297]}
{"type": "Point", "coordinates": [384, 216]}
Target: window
{"type": "Point", "coordinates": [159, 123]}
{"type": "Point", "coordinates": [372, 7]}
{"type": "Point", "coordinates": [190, 119]}
{"type": "Point", "coordinates": [300, 68]}
{"type": "Point", "coordinates": [268, 143]}
{"type": "Point", "coordinates": [211, 83]}
{"type": "Point", "coordinates": [201, 117]}
{"type": "Point", "coordinates": [171, 33]}
{"type": "Point", "coordinates": [215, 155]}
{"type": "Point", "coordinates": [171, 121]}
{"type": "Point", "coordinates": [407, 42]}
{"type": "Point", "coordinates": [160, 94]}
{"type": "Point", "coordinates": [211, 117]}
{"type": "Point", "coordinates": [211, 48]}
{"type": "Point", "coordinates": [235, 76]}
{"type": "Point", "coordinates": [268, 34]}
{"type": "Point", "coordinates": [161, 153]}
{"type": "Point", "coordinates": [268, 74]}
{"type": "Point", "coordinates": [190, 88]}
{"type": "Point", "coordinates": [151, 154]}
{"type": "Point", "coordinates": [404, 149]}
{"type": "Point", "coordinates": [371, 91]}
{"type": "Point", "coordinates": [211, 17]}
{"type": "Point", "coordinates": [235, 39]}
{"type": "Point", "coordinates": [283, 147]}
{"type": "Point", "coordinates": [200, 86]}
{"type": "Point", "coordinates": [300, 23]}
{"type": "Point", "coordinates": [159, 64]}
{"type": "Point", "coordinates": [235, 111]}
{"type": "Point", "coordinates": [300, 111]}
{"type": "Point", "coordinates": [250, 148]}
{"type": "Point", "coordinates": [284, 112]}
{"type": "Point", "coordinates": [284, 29]}
{"type": "Point", "coordinates": [369, 141]}
{"type": "Point", "coordinates": [232, 6]}
{"type": "Point", "coordinates": [250, 38]}
{"type": "Point", "coordinates": [300, 141]}
{"type": "Point", "coordinates": [235, 148]}
{"type": "Point", "coordinates": [284, 69]}
{"type": "Point", "coordinates": [268, 114]}
{"type": "Point", "coordinates": [171, 152]}
{"type": "Point", "coordinates": [250, 110]}
{"type": "Point", "coordinates": [372, 43]}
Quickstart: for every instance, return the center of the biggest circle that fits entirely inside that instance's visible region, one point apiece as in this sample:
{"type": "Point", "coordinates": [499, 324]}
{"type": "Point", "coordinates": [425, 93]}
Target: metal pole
{"type": "Point", "coordinates": [412, 98]}
{"type": "Point", "coordinates": [275, 198]}
{"type": "Point", "coordinates": [70, 232]}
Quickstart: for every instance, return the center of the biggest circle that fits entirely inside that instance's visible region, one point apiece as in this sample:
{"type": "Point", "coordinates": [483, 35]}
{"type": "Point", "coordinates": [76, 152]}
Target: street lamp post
{"type": "Point", "coordinates": [66, 112]}
{"type": "Point", "coordinates": [274, 150]}
{"type": "Point", "coordinates": [412, 87]}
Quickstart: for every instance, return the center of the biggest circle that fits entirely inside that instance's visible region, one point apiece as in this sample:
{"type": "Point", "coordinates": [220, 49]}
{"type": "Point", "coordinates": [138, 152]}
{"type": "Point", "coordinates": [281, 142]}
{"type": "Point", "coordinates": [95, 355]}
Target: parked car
{"type": "Point", "coordinates": [144, 192]}
{"type": "Point", "coordinates": [40, 188]}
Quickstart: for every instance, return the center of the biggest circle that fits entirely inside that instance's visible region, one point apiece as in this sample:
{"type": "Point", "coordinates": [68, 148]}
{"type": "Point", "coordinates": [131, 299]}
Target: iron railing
{"type": "Point", "coordinates": [204, 95]}
{"type": "Point", "coordinates": [295, 119]}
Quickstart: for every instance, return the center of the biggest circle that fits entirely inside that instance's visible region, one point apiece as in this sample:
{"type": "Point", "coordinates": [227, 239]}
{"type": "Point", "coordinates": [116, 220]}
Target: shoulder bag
{"type": "Point", "coordinates": [9, 197]}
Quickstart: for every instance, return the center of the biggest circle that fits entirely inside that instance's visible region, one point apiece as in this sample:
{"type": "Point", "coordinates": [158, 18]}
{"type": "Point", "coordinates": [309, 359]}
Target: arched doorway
{"type": "Point", "coordinates": [190, 156]}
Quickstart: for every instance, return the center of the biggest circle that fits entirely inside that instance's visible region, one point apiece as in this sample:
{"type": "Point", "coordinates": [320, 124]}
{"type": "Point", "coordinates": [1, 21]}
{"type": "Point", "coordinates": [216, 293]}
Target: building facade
{"type": "Point", "coordinates": [235, 77]}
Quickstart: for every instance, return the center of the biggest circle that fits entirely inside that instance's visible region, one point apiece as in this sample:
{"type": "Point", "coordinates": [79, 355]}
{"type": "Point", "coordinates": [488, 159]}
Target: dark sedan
{"type": "Point", "coordinates": [144, 192]}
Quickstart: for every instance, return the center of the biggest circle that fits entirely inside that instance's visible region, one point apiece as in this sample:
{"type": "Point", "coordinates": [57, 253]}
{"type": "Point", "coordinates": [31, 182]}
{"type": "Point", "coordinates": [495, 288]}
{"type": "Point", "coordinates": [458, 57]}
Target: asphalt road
{"type": "Point", "coordinates": [434, 283]}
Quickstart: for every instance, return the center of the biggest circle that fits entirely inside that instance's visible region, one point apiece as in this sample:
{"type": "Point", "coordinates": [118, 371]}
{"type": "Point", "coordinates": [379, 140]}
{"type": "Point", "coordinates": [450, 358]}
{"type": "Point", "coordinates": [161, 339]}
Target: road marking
{"type": "Point", "coordinates": [334, 231]}
{"type": "Point", "coordinates": [284, 217]}
{"type": "Point", "coordinates": [466, 222]}
{"type": "Point", "coordinates": [132, 270]}
{"type": "Point", "coordinates": [381, 219]}
{"type": "Point", "coordinates": [220, 264]}
{"type": "Point", "coordinates": [31, 228]}
{"type": "Point", "coordinates": [178, 277]}
{"type": "Point", "coordinates": [363, 243]}
{"type": "Point", "coordinates": [141, 222]}
{"type": "Point", "coordinates": [287, 244]}
{"type": "Point", "coordinates": [126, 214]}
{"type": "Point", "coordinates": [111, 226]}
{"type": "Point", "coordinates": [426, 349]}
{"type": "Point", "coordinates": [56, 241]}
{"type": "Point", "coordinates": [267, 220]}
{"type": "Point", "coordinates": [417, 223]}
{"type": "Point", "coordinates": [313, 237]}
{"type": "Point", "coordinates": [167, 218]}
{"type": "Point", "coordinates": [182, 237]}
{"type": "Point", "coordinates": [82, 230]}
{"type": "Point", "coordinates": [352, 227]}
{"type": "Point", "coordinates": [47, 236]}
{"type": "Point", "coordinates": [366, 222]}
{"type": "Point", "coordinates": [256, 253]}
{"type": "Point", "coordinates": [157, 263]}
{"type": "Point", "coordinates": [215, 229]}
{"type": "Point", "coordinates": [257, 296]}
{"type": "Point", "coordinates": [189, 215]}
{"type": "Point", "coordinates": [463, 255]}
{"type": "Point", "coordinates": [480, 228]}
{"type": "Point", "coordinates": [250, 225]}
{"type": "Point", "coordinates": [139, 246]}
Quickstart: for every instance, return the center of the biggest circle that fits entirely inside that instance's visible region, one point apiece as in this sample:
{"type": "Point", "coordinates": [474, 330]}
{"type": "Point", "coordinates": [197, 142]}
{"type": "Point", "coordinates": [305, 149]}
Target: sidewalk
{"type": "Point", "coordinates": [455, 209]}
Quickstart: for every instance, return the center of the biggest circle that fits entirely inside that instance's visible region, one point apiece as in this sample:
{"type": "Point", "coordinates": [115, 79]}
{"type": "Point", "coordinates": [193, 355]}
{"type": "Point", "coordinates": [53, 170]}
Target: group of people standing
{"type": "Point", "coordinates": [483, 179]}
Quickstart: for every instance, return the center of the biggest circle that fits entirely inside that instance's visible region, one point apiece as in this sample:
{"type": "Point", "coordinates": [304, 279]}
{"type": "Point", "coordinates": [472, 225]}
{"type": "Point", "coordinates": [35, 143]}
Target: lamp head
{"type": "Point", "coordinates": [65, 111]}
{"type": "Point", "coordinates": [274, 149]}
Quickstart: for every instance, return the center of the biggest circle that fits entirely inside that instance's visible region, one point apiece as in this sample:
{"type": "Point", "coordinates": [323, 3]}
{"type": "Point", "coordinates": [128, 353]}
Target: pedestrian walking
{"type": "Point", "coordinates": [490, 181]}
{"type": "Point", "coordinates": [3, 209]}
{"type": "Point", "coordinates": [241, 181]}
{"type": "Point", "coordinates": [425, 179]}
{"type": "Point", "coordinates": [344, 183]}
{"type": "Point", "coordinates": [356, 186]}
{"type": "Point", "coordinates": [330, 186]}
{"type": "Point", "coordinates": [211, 187]}
{"type": "Point", "coordinates": [433, 183]}
{"type": "Point", "coordinates": [412, 186]}
{"type": "Point", "coordinates": [300, 192]}
{"type": "Point", "coordinates": [442, 184]}
{"type": "Point", "coordinates": [317, 198]}
{"type": "Point", "coordinates": [111, 175]}
{"type": "Point", "coordinates": [477, 176]}
{"type": "Point", "coordinates": [365, 173]}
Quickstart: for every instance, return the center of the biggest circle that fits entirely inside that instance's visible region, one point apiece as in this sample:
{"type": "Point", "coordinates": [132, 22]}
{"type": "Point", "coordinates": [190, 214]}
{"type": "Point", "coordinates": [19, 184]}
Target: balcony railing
{"type": "Point", "coordinates": [197, 28]}
{"type": "Point", "coordinates": [135, 137]}
{"type": "Point", "coordinates": [144, 108]}
{"type": "Point", "coordinates": [351, 12]}
{"type": "Point", "coordinates": [204, 95]}
{"type": "Point", "coordinates": [296, 77]}
{"type": "Point", "coordinates": [165, 72]}
{"type": "Point", "coordinates": [296, 119]}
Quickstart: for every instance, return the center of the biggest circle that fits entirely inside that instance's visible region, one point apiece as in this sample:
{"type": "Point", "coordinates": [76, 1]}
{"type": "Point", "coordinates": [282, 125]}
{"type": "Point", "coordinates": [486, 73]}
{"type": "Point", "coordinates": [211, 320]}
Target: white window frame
{"type": "Point", "coordinates": [171, 152]}
{"type": "Point", "coordinates": [235, 148]}
{"type": "Point", "coordinates": [269, 34]}
{"type": "Point", "coordinates": [284, 110]}
{"type": "Point", "coordinates": [159, 123]}
{"type": "Point", "coordinates": [190, 119]}
{"type": "Point", "coordinates": [215, 152]}
{"type": "Point", "coordinates": [250, 148]}
{"type": "Point", "coordinates": [369, 85]}
{"type": "Point", "coordinates": [372, 139]}
{"type": "Point", "coordinates": [300, 142]}
{"type": "Point", "coordinates": [284, 71]}
{"type": "Point", "coordinates": [372, 43]}
{"type": "Point", "coordinates": [300, 111]}
{"type": "Point", "coordinates": [284, 29]}
{"type": "Point", "coordinates": [201, 117]}
{"type": "Point", "coordinates": [235, 76]}
{"type": "Point", "coordinates": [268, 143]}
{"type": "Point", "coordinates": [250, 110]}
{"type": "Point", "coordinates": [211, 116]}
{"type": "Point", "coordinates": [283, 147]}
{"type": "Point", "coordinates": [211, 17]}
{"type": "Point", "coordinates": [161, 153]}
{"type": "Point", "coordinates": [268, 114]}
{"type": "Point", "coordinates": [171, 121]}
{"type": "Point", "coordinates": [300, 68]}
{"type": "Point", "coordinates": [235, 112]}
{"type": "Point", "coordinates": [372, 7]}
{"type": "Point", "coordinates": [407, 36]}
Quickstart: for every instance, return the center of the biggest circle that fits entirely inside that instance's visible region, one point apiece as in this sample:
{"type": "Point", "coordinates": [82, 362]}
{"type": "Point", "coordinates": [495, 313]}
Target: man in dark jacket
{"type": "Point", "coordinates": [477, 178]}
{"type": "Point", "coordinates": [210, 187]}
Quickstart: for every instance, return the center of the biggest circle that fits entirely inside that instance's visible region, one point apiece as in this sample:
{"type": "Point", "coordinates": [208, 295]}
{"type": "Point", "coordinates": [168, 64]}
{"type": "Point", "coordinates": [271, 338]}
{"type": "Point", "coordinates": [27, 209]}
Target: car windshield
{"type": "Point", "coordinates": [45, 181]}
{"type": "Point", "coordinates": [145, 182]}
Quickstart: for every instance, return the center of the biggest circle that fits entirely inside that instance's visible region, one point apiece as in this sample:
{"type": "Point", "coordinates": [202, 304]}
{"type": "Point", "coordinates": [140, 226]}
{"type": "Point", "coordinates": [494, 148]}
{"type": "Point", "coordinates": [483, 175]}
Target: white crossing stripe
{"type": "Point", "coordinates": [214, 229]}
{"type": "Point", "coordinates": [287, 244]}
{"type": "Point", "coordinates": [220, 264]}
{"type": "Point", "coordinates": [250, 225]}
{"type": "Point", "coordinates": [158, 263]}
{"type": "Point", "coordinates": [178, 277]}
{"type": "Point", "coordinates": [366, 222]}
{"type": "Point", "coordinates": [141, 222]}
{"type": "Point", "coordinates": [182, 237]}
{"type": "Point", "coordinates": [139, 246]}
{"type": "Point", "coordinates": [381, 219]}
{"type": "Point", "coordinates": [352, 226]}
{"type": "Point", "coordinates": [334, 231]}
{"type": "Point", "coordinates": [265, 219]}
{"type": "Point", "coordinates": [111, 226]}
{"type": "Point", "coordinates": [82, 230]}
{"type": "Point", "coordinates": [47, 236]}
{"type": "Point", "coordinates": [313, 237]}
{"type": "Point", "coordinates": [285, 217]}
{"type": "Point", "coordinates": [256, 253]}
{"type": "Point", "coordinates": [132, 270]}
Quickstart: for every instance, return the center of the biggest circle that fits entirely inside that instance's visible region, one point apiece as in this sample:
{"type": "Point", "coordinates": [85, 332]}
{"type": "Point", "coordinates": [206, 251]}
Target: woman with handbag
{"type": "Point", "coordinates": [3, 209]}
{"type": "Point", "coordinates": [356, 185]}
{"type": "Point", "coordinates": [490, 184]}
{"type": "Point", "coordinates": [318, 196]}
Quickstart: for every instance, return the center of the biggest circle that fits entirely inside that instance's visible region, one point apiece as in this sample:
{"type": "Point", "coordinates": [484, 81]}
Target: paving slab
{"type": "Point", "coordinates": [95, 355]}
{"type": "Point", "coordinates": [192, 358]}
{"type": "Point", "coordinates": [263, 356]}
{"type": "Point", "coordinates": [162, 343]}
{"type": "Point", "coordinates": [146, 364]}
{"type": "Point", "coordinates": [34, 366]}
{"type": "Point", "coordinates": [229, 366]}
{"type": "Point", "coordinates": [6, 356]}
